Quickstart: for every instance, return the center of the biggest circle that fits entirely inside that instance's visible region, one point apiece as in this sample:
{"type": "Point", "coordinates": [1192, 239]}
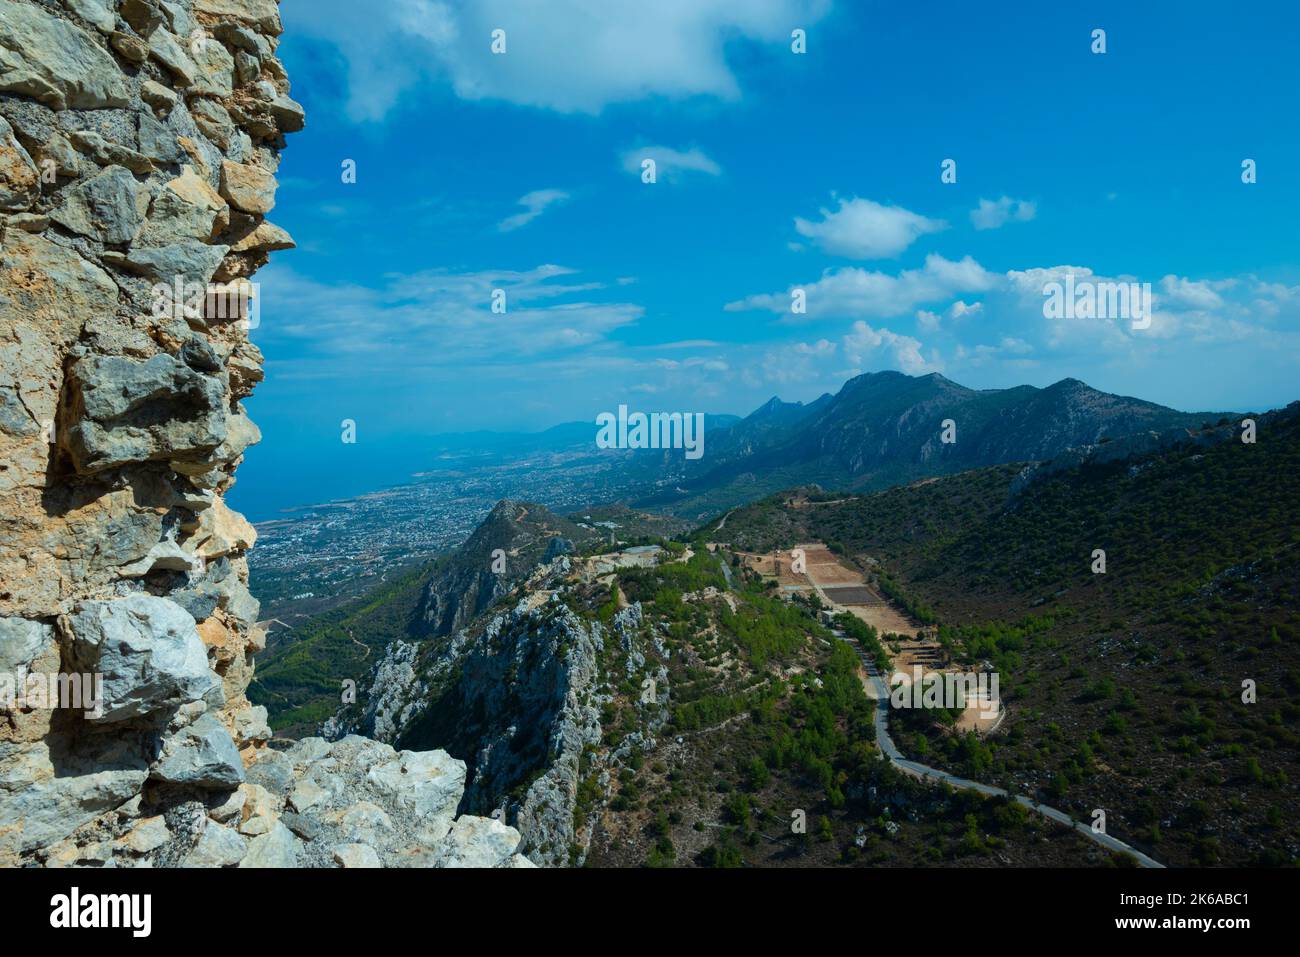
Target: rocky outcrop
{"type": "Point", "coordinates": [139, 142]}
{"type": "Point", "coordinates": [505, 548]}
{"type": "Point", "coordinates": [353, 803]}
{"type": "Point", "coordinates": [518, 694]}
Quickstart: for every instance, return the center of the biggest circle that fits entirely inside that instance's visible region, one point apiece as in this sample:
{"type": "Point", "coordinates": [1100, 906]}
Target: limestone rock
{"type": "Point", "coordinates": [148, 651]}
{"type": "Point", "coordinates": [47, 792]}
{"type": "Point", "coordinates": [307, 795]}
{"type": "Point", "coordinates": [187, 210]}
{"type": "Point", "coordinates": [125, 410]}
{"type": "Point", "coordinates": [168, 51]}
{"type": "Point", "coordinates": [260, 811]}
{"type": "Point", "coordinates": [247, 187]}
{"type": "Point", "coordinates": [120, 431]}
{"type": "Point", "coordinates": [104, 207]}
{"type": "Point", "coordinates": [266, 237]}
{"type": "Point", "coordinates": [276, 848]}
{"type": "Point", "coordinates": [477, 842]}
{"type": "Point", "coordinates": [145, 16]}
{"type": "Point", "coordinates": [189, 261]}
{"type": "Point", "coordinates": [108, 153]}
{"type": "Point", "coordinates": [214, 68]}
{"type": "Point", "coordinates": [130, 46]}
{"type": "Point", "coordinates": [20, 181]}
{"type": "Point", "coordinates": [21, 641]}
{"type": "Point", "coordinates": [427, 783]}
{"type": "Point", "coordinates": [218, 846]}
{"type": "Point", "coordinates": [262, 14]}
{"type": "Point", "coordinates": [56, 61]}
{"type": "Point", "coordinates": [214, 122]}
{"type": "Point", "coordinates": [50, 285]}
{"type": "Point", "coordinates": [158, 144]}
{"type": "Point", "coordinates": [356, 855]}
{"type": "Point", "coordinates": [202, 754]}
{"type": "Point", "coordinates": [147, 835]}
{"type": "Point", "coordinates": [228, 807]}
{"type": "Point", "coordinates": [93, 12]}
{"type": "Point", "coordinates": [251, 726]}
{"type": "Point", "coordinates": [158, 96]}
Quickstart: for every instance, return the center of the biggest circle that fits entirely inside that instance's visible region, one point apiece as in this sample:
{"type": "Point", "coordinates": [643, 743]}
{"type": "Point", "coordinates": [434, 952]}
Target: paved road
{"type": "Point", "coordinates": [726, 572]}
{"type": "Point", "coordinates": [877, 689]}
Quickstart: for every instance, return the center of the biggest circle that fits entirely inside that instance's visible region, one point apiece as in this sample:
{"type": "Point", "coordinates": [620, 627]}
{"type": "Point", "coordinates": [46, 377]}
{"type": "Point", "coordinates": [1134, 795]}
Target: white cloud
{"type": "Point", "coordinates": [958, 310]}
{"type": "Point", "coordinates": [863, 344]}
{"type": "Point", "coordinates": [534, 203]}
{"type": "Point", "coordinates": [1200, 294]}
{"type": "Point", "coordinates": [992, 214]}
{"type": "Point", "coordinates": [860, 292]}
{"type": "Point", "coordinates": [670, 164]}
{"type": "Point", "coordinates": [575, 56]}
{"type": "Point", "coordinates": [862, 229]}
{"type": "Point", "coordinates": [433, 319]}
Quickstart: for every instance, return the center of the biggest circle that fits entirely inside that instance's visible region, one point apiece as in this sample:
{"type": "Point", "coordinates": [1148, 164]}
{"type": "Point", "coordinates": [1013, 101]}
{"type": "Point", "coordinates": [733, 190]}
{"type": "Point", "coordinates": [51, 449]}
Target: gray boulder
{"type": "Point", "coordinates": [148, 651]}
{"type": "Point", "coordinates": [218, 846]}
{"type": "Point", "coordinates": [276, 848]}
{"type": "Point", "coordinates": [477, 842]}
{"type": "Point", "coordinates": [190, 261]}
{"type": "Point", "coordinates": [428, 784]}
{"type": "Point", "coordinates": [94, 12]}
{"type": "Point", "coordinates": [202, 754]}
{"type": "Point", "coordinates": [128, 410]}
{"type": "Point", "coordinates": [47, 792]}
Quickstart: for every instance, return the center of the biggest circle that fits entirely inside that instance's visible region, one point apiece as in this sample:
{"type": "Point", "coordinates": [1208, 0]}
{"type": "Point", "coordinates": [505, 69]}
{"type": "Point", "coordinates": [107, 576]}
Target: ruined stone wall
{"type": "Point", "coordinates": [139, 142]}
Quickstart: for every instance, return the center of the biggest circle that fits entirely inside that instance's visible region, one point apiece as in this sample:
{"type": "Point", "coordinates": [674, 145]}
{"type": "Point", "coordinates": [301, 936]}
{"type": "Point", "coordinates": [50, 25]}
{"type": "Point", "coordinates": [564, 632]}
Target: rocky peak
{"type": "Point", "coordinates": [512, 540]}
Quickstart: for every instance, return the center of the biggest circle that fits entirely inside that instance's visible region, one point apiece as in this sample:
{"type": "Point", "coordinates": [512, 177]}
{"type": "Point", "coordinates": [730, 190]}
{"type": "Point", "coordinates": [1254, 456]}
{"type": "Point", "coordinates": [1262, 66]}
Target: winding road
{"type": "Point", "coordinates": [876, 688]}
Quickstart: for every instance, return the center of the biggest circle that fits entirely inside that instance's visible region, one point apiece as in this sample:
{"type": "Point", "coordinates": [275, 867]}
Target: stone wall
{"type": "Point", "coordinates": [139, 141]}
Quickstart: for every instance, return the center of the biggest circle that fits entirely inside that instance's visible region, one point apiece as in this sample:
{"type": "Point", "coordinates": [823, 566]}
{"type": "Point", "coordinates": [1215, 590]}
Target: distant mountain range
{"type": "Point", "coordinates": [884, 428]}
{"type": "Point", "coordinates": [880, 429]}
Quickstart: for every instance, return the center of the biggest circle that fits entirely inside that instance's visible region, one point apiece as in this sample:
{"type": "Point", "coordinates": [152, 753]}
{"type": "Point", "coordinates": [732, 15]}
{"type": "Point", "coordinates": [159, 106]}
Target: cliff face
{"type": "Point", "coordinates": [139, 141]}
{"type": "Point", "coordinates": [518, 694]}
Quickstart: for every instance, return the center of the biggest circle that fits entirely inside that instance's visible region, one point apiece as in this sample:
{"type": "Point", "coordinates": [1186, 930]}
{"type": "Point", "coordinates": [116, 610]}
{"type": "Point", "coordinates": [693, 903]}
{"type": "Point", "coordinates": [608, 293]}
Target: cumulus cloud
{"type": "Point", "coordinates": [867, 346]}
{"type": "Point", "coordinates": [670, 164]}
{"type": "Point", "coordinates": [534, 204]}
{"type": "Point", "coordinates": [958, 310]}
{"type": "Point", "coordinates": [574, 56]}
{"type": "Point", "coordinates": [995, 213]}
{"type": "Point", "coordinates": [862, 229]}
{"type": "Point", "coordinates": [860, 292]}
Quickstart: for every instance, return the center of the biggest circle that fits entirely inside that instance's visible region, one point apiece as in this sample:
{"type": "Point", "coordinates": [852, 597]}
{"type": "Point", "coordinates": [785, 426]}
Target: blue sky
{"type": "Point", "coordinates": [820, 171]}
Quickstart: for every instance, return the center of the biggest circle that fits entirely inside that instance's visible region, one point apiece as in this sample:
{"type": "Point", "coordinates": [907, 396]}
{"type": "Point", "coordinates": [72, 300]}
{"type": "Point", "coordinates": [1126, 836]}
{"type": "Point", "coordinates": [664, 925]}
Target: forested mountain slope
{"type": "Point", "coordinates": [1124, 687]}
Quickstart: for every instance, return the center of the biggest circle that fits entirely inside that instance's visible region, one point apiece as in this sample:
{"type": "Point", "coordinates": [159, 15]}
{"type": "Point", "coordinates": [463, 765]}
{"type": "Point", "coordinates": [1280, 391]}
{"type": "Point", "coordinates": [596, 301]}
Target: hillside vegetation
{"type": "Point", "coordinates": [1124, 688]}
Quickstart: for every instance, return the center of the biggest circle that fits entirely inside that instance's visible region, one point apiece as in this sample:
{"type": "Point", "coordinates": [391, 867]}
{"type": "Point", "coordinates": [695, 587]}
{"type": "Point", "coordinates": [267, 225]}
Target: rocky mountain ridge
{"type": "Point", "coordinates": [886, 428]}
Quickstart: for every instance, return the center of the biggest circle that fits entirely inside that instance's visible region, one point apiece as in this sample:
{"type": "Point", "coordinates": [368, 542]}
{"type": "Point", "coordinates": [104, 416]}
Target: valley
{"type": "Point", "coordinates": [627, 690]}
